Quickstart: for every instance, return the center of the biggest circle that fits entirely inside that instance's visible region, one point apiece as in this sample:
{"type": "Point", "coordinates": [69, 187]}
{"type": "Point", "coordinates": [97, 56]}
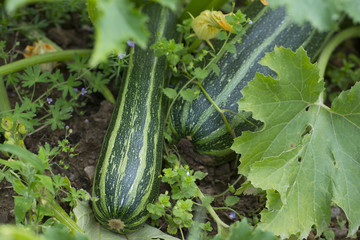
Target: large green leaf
{"type": "Point", "coordinates": [306, 155]}
{"type": "Point", "coordinates": [86, 220]}
{"type": "Point", "coordinates": [116, 22]}
{"type": "Point", "coordinates": [322, 14]}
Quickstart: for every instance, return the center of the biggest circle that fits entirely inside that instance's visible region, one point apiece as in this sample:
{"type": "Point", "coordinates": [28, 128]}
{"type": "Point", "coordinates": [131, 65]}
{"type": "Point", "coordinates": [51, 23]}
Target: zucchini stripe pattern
{"type": "Point", "coordinates": [199, 120]}
{"type": "Point", "coordinates": [127, 173]}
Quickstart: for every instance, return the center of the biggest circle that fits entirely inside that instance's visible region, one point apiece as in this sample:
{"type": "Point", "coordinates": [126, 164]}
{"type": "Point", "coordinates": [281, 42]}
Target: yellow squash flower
{"type": "Point", "coordinates": [209, 23]}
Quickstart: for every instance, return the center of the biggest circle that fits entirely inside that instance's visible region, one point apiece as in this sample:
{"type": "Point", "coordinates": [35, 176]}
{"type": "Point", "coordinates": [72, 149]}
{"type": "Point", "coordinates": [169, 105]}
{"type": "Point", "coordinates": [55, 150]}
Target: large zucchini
{"type": "Point", "coordinates": [199, 122]}
{"type": "Point", "coordinates": [127, 173]}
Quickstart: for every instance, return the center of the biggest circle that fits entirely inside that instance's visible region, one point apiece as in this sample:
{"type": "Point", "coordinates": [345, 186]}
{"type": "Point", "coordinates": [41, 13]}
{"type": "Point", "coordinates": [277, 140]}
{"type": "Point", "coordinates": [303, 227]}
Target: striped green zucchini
{"type": "Point", "coordinates": [199, 122]}
{"type": "Point", "coordinates": [127, 173]}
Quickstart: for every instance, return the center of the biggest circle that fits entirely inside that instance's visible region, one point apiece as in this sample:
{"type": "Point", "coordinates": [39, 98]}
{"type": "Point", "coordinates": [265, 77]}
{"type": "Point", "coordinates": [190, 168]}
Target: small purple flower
{"type": "Point", "coordinates": [232, 215]}
{"type": "Point", "coordinates": [83, 91]}
{"type": "Point", "coordinates": [131, 43]}
{"type": "Point", "coordinates": [171, 85]}
{"type": "Point", "coordinates": [67, 127]}
{"type": "Point", "coordinates": [86, 121]}
{"type": "Point", "coordinates": [75, 89]}
{"type": "Point", "coordinates": [121, 55]}
{"type": "Point", "coordinates": [49, 100]}
{"type": "Point", "coordinates": [250, 22]}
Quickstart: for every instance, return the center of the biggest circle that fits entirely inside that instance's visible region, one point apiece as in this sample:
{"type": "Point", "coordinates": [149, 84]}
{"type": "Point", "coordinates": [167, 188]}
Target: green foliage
{"type": "Point", "coordinates": [43, 15]}
{"type": "Point", "coordinates": [172, 50]}
{"type": "Point", "coordinates": [242, 230]}
{"type": "Point", "coordinates": [343, 77]}
{"type": "Point", "coordinates": [35, 184]}
{"type": "Point", "coordinates": [236, 21]}
{"type": "Point", "coordinates": [170, 92]}
{"type": "Point", "coordinates": [50, 110]}
{"type": "Point", "coordinates": [306, 154]}
{"type": "Point", "coordinates": [323, 15]}
{"type": "Point", "coordinates": [189, 94]}
{"type": "Point", "coordinates": [60, 112]}
{"type": "Point", "coordinates": [231, 200]}
{"type": "Point", "coordinates": [177, 209]}
{"type": "Point", "coordinates": [74, 195]}
{"type": "Point", "coordinates": [182, 181]}
{"type": "Point", "coordinates": [200, 74]}
{"type": "Point", "coordinates": [329, 234]}
{"type": "Point", "coordinates": [3, 54]}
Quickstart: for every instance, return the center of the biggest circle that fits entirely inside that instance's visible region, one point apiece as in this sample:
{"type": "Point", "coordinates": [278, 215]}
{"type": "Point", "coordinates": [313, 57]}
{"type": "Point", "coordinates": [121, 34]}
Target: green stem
{"type": "Point", "coordinates": [194, 45]}
{"type": "Point", "coordinates": [182, 234]}
{"type": "Point", "coordinates": [42, 58]}
{"type": "Point", "coordinates": [220, 224]}
{"type": "Point", "coordinates": [217, 109]}
{"type": "Point", "coordinates": [237, 114]}
{"type": "Point", "coordinates": [4, 99]}
{"type": "Point", "coordinates": [176, 97]}
{"type": "Point", "coordinates": [331, 46]}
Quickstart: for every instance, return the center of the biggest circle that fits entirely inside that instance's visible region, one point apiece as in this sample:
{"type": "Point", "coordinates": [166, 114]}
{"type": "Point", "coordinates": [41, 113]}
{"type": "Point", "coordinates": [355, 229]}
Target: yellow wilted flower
{"type": "Point", "coordinates": [209, 23]}
{"type": "Point", "coordinates": [40, 47]}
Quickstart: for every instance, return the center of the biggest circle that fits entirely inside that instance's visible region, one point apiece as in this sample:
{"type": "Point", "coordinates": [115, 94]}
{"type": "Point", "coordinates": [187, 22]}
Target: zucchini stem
{"type": "Point", "coordinates": [217, 109]}
{"type": "Point", "coordinates": [222, 227]}
{"type": "Point", "coordinates": [332, 45]}
{"type": "Point", "coordinates": [42, 58]}
{"type": "Point", "coordinates": [237, 114]}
